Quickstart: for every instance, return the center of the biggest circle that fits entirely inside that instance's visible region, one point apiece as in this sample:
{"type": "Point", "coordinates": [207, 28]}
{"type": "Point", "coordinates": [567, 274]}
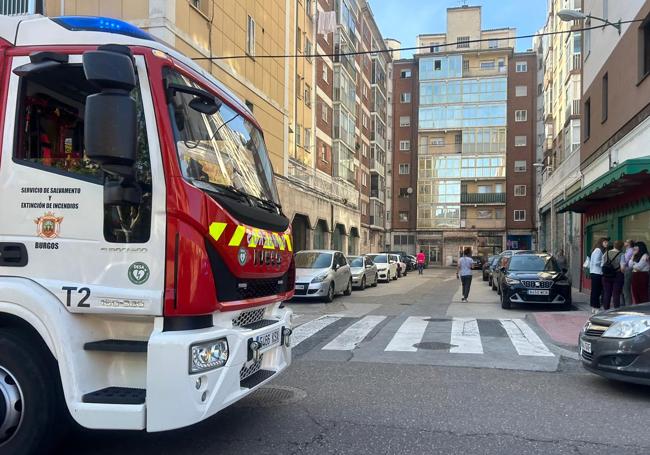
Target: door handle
{"type": "Point", "coordinates": [13, 254]}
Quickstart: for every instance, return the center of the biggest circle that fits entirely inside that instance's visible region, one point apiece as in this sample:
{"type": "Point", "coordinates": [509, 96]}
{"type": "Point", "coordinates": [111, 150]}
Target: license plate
{"type": "Point", "coordinates": [300, 287]}
{"type": "Point", "coordinates": [586, 346]}
{"type": "Point", "coordinates": [268, 340]}
{"type": "Point", "coordinates": [537, 292]}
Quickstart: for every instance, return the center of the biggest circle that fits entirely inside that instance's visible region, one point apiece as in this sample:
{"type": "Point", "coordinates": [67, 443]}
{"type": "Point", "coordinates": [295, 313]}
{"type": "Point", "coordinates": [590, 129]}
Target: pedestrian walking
{"type": "Point", "coordinates": [420, 260]}
{"type": "Point", "coordinates": [627, 272]}
{"type": "Point", "coordinates": [596, 273]}
{"type": "Point", "coordinates": [561, 261]}
{"type": "Point", "coordinates": [612, 276]}
{"type": "Point", "coordinates": [464, 271]}
{"type": "Point", "coordinates": [640, 265]}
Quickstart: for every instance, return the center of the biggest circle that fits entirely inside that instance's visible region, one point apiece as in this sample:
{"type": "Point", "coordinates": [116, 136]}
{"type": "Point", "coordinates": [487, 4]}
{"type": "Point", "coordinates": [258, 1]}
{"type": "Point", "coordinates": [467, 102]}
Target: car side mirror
{"type": "Point", "coordinates": [335, 267]}
{"type": "Point", "coordinates": [110, 122]}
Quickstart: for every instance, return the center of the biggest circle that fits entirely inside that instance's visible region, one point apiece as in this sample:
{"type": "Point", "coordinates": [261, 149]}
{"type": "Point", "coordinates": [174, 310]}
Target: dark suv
{"type": "Point", "coordinates": [534, 278]}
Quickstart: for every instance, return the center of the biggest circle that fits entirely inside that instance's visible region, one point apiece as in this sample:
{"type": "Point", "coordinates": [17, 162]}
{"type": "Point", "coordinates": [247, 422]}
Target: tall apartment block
{"type": "Point", "coordinates": [450, 123]}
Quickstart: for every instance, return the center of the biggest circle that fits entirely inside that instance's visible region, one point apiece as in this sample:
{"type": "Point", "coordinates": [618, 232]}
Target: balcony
{"type": "Point", "coordinates": [376, 166]}
{"type": "Point", "coordinates": [346, 61]}
{"type": "Point", "coordinates": [572, 110]}
{"type": "Point", "coordinates": [576, 62]}
{"type": "Point", "coordinates": [331, 188]}
{"type": "Point", "coordinates": [481, 223]}
{"type": "Point", "coordinates": [18, 7]}
{"type": "Point", "coordinates": [378, 194]}
{"type": "Point", "coordinates": [483, 198]}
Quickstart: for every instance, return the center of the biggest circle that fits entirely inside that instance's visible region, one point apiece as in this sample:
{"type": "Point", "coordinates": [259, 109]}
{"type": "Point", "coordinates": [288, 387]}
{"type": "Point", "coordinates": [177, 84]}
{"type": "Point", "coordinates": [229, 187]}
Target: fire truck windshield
{"type": "Point", "coordinates": [223, 149]}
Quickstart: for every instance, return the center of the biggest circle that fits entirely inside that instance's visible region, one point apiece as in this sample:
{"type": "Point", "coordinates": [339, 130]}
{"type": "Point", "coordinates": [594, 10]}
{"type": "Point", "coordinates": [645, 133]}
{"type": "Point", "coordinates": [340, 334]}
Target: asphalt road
{"type": "Point", "coordinates": [358, 386]}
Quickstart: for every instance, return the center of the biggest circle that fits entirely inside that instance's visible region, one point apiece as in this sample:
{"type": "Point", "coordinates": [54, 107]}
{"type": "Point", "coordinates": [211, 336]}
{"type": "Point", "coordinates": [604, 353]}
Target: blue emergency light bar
{"type": "Point", "coordinates": [101, 24]}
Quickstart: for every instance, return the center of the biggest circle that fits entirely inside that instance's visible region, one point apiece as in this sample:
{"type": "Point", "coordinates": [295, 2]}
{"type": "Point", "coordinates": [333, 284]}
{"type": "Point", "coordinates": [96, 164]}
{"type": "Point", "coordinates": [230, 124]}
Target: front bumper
{"type": "Point", "coordinates": [555, 296]}
{"type": "Point", "coordinates": [176, 398]}
{"type": "Point", "coordinates": [382, 275]}
{"type": "Point", "coordinates": [619, 359]}
{"type": "Point", "coordinates": [312, 290]}
{"type": "Point", "coordinates": [356, 280]}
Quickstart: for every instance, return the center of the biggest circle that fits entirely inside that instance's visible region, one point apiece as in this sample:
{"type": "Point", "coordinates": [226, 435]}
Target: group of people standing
{"type": "Point", "coordinates": [620, 274]}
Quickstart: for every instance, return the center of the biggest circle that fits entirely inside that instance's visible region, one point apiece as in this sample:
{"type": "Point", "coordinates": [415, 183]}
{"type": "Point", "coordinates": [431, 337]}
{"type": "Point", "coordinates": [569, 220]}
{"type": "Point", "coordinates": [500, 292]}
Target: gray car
{"type": "Point", "coordinates": [321, 274]}
{"type": "Point", "coordinates": [364, 272]}
{"type": "Point", "coordinates": [616, 344]}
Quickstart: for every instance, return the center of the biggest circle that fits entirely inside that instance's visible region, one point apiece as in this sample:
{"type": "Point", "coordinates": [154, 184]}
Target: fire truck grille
{"type": "Point", "coordinates": [248, 317]}
{"type": "Point", "coordinates": [248, 370]}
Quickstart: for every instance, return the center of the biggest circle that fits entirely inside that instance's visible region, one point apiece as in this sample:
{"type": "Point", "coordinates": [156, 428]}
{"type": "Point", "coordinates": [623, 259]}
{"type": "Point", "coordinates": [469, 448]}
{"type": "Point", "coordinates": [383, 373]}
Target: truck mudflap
{"type": "Point", "coordinates": [176, 397]}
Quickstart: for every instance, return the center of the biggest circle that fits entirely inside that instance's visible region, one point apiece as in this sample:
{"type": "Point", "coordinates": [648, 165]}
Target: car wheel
{"type": "Point", "coordinates": [396, 276]}
{"type": "Point", "coordinates": [388, 277]}
{"type": "Point", "coordinates": [374, 284]}
{"type": "Point", "coordinates": [568, 305]}
{"type": "Point", "coordinates": [348, 290]}
{"type": "Point", "coordinates": [485, 278]}
{"type": "Point", "coordinates": [505, 301]}
{"type": "Point", "coordinates": [363, 283]}
{"type": "Point", "coordinates": [330, 293]}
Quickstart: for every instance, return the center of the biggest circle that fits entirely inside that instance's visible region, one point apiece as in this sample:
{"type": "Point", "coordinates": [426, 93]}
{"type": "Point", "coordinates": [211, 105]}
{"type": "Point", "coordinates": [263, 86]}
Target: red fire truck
{"type": "Point", "coordinates": [144, 254]}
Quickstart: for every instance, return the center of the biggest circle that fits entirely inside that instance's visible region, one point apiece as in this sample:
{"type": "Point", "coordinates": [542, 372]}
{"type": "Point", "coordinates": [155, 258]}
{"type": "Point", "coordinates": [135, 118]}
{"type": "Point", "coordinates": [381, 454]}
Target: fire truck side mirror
{"type": "Point", "coordinates": [110, 122]}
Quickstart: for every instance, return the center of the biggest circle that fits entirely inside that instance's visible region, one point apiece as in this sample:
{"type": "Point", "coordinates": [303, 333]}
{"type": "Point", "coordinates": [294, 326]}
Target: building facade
{"type": "Point", "coordinates": [322, 122]}
{"type": "Point", "coordinates": [561, 60]}
{"type": "Point", "coordinates": [613, 198]}
{"type": "Point", "coordinates": [450, 132]}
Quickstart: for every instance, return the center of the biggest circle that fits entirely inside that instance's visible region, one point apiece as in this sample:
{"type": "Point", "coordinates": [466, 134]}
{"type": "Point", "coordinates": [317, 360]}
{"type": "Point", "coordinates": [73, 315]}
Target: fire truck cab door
{"type": "Point", "coordinates": [95, 259]}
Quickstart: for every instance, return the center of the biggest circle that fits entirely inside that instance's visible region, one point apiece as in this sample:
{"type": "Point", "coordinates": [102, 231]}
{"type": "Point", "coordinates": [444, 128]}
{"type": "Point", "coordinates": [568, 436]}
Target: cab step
{"type": "Point", "coordinates": [116, 395]}
{"type": "Point", "coordinates": [256, 378]}
{"type": "Point", "coordinates": [116, 346]}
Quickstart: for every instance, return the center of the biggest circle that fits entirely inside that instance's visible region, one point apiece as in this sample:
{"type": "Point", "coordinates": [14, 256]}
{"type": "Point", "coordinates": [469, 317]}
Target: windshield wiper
{"type": "Point", "coordinates": [226, 190]}
{"type": "Point", "coordinates": [266, 203]}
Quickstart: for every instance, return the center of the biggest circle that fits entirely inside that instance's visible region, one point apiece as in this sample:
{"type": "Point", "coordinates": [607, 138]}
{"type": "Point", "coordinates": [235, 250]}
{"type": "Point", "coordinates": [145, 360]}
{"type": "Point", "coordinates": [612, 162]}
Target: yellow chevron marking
{"type": "Point", "coordinates": [254, 238]}
{"type": "Point", "coordinates": [287, 238]}
{"type": "Point", "coordinates": [216, 229]}
{"type": "Point", "coordinates": [278, 239]}
{"type": "Point", "coordinates": [237, 236]}
{"type": "Point", "coordinates": [268, 241]}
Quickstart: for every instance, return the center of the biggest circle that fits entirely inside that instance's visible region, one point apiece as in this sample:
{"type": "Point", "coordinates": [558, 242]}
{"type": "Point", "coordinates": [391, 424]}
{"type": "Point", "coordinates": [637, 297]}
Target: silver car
{"type": "Point", "coordinates": [364, 272]}
{"type": "Point", "coordinates": [321, 274]}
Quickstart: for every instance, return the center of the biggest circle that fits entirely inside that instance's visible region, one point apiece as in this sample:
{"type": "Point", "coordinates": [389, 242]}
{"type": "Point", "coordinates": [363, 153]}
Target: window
{"type": "Point", "coordinates": [308, 50]}
{"type": "Point", "coordinates": [405, 74]}
{"type": "Point", "coordinates": [520, 166]}
{"type": "Point", "coordinates": [520, 215]}
{"type": "Point", "coordinates": [364, 149]}
{"type": "Point", "coordinates": [644, 48]}
{"type": "Point", "coordinates": [484, 189]}
{"type": "Point", "coordinates": [405, 121]}
{"type": "Point", "coordinates": [324, 113]}
{"type": "Point", "coordinates": [307, 140]}
{"type": "Point", "coordinates": [404, 169]}
{"type": "Point", "coordinates": [364, 120]}
{"type": "Point", "coordinates": [307, 95]}
{"type": "Point", "coordinates": [587, 118]}
{"type": "Point", "coordinates": [437, 65]}
{"type": "Point", "coordinates": [605, 96]}
{"type": "Point", "coordinates": [404, 217]}
{"type": "Point", "coordinates": [465, 65]}
{"type": "Point", "coordinates": [364, 208]}
{"type": "Point", "coordinates": [521, 116]}
{"type": "Point", "coordinates": [500, 214]}
{"type": "Point", "coordinates": [202, 5]}
{"type": "Point", "coordinates": [298, 87]}
{"type": "Point", "coordinates": [364, 179]}
{"type": "Point", "coordinates": [405, 146]}
{"type": "Point", "coordinates": [520, 141]}
{"type": "Point", "coordinates": [438, 141]}
{"type": "Point", "coordinates": [308, 9]}
{"type": "Point", "coordinates": [493, 44]}
{"type": "Point", "coordinates": [435, 48]}
{"type": "Point", "coordinates": [498, 187]}
{"type": "Point", "coordinates": [403, 192]}
{"type": "Point", "coordinates": [324, 73]}
{"type": "Point", "coordinates": [521, 67]}
{"type": "Point", "coordinates": [323, 153]}
{"type": "Point", "coordinates": [487, 64]}
{"type": "Point", "coordinates": [298, 135]}
{"type": "Point", "coordinates": [521, 90]}
{"type": "Point", "coordinates": [299, 39]}
{"type": "Point", "coordinates": [405, 97]}
{"type": "Point", "coordinates": [520, 190]}
{"type": "Point", "coordinates": [250, 37]}
{"type": "Point", "coordinates": [462, 42]}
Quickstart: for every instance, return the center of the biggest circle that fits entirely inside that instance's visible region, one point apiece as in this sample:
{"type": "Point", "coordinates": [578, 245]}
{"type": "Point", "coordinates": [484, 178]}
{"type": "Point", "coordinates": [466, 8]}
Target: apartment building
{"type": "Point", "coordinates": [324, 127]}
{"type": "Point", "coordinates": [613, 194]}
{"type": "Point", "coordinates": [521, 151]}
{"type": "Point", "coordinates": [560, 165]}
{"type": "Point", "coordinates": [450, 121]}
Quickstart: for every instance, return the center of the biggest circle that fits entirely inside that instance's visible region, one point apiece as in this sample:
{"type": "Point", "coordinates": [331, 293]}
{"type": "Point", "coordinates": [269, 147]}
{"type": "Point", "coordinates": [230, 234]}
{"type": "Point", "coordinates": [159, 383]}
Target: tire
{"type": "Point", "coordinates": [31, 376]}
{"type": "Point", "coordinates": [388, 277]}
{"type": "Point", "coordinates": [396, 276]}
{"type": "Point", "coordinates": [363, 283]}
{"type": "Point", "coordinates": [505, 302]}
{"type": "Point", "coordinates": [348, 290]}
{"type": "Point", "coordinates": [374, 284]}
{"type": "Point", "coordinates": [330, 294]}
{"type": "Point", "coordinates": [485, 278]}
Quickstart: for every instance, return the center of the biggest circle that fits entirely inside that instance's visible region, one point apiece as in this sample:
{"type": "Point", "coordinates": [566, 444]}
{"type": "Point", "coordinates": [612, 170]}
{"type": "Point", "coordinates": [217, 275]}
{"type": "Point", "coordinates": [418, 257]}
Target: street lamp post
{"type": "Point", "coordinates": [568, 15]}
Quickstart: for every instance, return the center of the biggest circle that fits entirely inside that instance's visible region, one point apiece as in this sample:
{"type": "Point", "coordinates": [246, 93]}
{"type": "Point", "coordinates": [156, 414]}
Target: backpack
{"type": "Point", "coordinates": [609, 270]}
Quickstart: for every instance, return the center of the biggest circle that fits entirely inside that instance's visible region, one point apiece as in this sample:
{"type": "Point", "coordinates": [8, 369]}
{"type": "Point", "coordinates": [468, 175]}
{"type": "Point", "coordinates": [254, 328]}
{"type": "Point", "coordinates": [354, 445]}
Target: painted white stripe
{"type": "Point", "coordinates": [409, 333]}
{"type": "Point", "coordinates": [524, 339]}
{"type": "Point", "coordinates": [353, 335]}
{"type": "Point", "coordinates": [465, 337]}
{"type": "Point", "coordinates": [301, 333]}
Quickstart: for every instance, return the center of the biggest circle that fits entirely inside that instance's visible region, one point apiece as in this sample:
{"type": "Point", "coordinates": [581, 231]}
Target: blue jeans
{"type": "Point", "coordinates": [466, 280]}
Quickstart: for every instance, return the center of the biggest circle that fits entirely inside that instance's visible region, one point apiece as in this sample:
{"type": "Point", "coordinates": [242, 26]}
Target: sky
{"type": "Point", "coordinates": [405, 19]}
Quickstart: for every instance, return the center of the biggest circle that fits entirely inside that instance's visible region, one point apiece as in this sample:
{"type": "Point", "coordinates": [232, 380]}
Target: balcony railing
{"type": "Point", "coordinates": [17, 7]}
{"type": "Point", "coordinates": [572, 110]}
{"type": "Point", "coordinates": [333, 188]}
{"type": "Point", "coordinates": [483, 198]}
{"type": "Point", "coordinates": [576, 62]}
{"type": "Point", "coordinates": [483, 223]}
{"type": "Point", "coordinates": [376, 166]}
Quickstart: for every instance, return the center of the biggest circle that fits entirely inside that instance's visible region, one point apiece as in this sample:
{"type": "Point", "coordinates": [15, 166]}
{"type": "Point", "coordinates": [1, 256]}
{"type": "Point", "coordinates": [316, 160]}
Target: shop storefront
{"type": "Point", "coordinates": [616, 205]}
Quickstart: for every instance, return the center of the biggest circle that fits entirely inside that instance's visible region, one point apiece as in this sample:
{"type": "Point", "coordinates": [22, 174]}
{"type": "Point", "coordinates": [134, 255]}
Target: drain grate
{"type": "Point", "coordinates": [437, 320]}
{"type": "Point", "coordinates": [266, 397]}
{"type": "Point", "coordinates": [433, 346]}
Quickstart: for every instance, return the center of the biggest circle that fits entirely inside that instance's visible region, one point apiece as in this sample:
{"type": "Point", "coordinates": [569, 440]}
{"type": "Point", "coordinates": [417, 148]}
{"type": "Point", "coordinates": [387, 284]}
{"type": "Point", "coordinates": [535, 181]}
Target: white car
{"type": "Point", "coordinates": [386, 267]}
{"type": "Point", "coordinates": [401, 265]}
{"type": "Point", "coordinates": [321, 274]}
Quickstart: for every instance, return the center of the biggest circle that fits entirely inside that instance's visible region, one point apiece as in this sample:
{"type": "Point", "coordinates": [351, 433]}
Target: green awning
{"type": "Point", "coordinates": [620, 180]}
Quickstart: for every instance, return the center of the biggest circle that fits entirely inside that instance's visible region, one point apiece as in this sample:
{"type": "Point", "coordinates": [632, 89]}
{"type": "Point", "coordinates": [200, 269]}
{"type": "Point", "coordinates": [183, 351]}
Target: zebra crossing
{"type": "Point", "coordinates": [500, 343]}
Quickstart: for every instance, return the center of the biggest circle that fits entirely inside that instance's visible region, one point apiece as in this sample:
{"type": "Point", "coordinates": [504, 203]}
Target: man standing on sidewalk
{"type": "Point", "coordinates": [464, 271]}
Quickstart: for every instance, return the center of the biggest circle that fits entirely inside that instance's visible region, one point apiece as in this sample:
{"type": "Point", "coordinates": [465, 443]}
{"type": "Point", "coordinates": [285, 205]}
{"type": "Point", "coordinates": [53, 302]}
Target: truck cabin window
{"type": "Point", "coordinates": [223, 151]}
{"type": "Point", "coordinates": [50, 137]}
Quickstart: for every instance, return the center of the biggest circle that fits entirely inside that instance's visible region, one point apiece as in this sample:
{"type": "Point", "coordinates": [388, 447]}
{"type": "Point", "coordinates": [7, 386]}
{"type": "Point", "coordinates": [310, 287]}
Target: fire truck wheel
{"type": "Point", "coordinates": [31, 401]}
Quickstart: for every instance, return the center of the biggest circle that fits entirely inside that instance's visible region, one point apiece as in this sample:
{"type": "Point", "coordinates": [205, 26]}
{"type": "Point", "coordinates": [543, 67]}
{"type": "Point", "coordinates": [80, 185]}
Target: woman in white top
{"type": "Point", "coordinates": [596, 273]}
{"type": "Point", "coordinates": [640, 265]}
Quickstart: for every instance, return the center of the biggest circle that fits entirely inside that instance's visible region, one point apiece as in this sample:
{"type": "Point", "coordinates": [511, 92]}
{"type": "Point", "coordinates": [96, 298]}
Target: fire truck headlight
{"type": "Point", "coordinates": [208, 355]}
